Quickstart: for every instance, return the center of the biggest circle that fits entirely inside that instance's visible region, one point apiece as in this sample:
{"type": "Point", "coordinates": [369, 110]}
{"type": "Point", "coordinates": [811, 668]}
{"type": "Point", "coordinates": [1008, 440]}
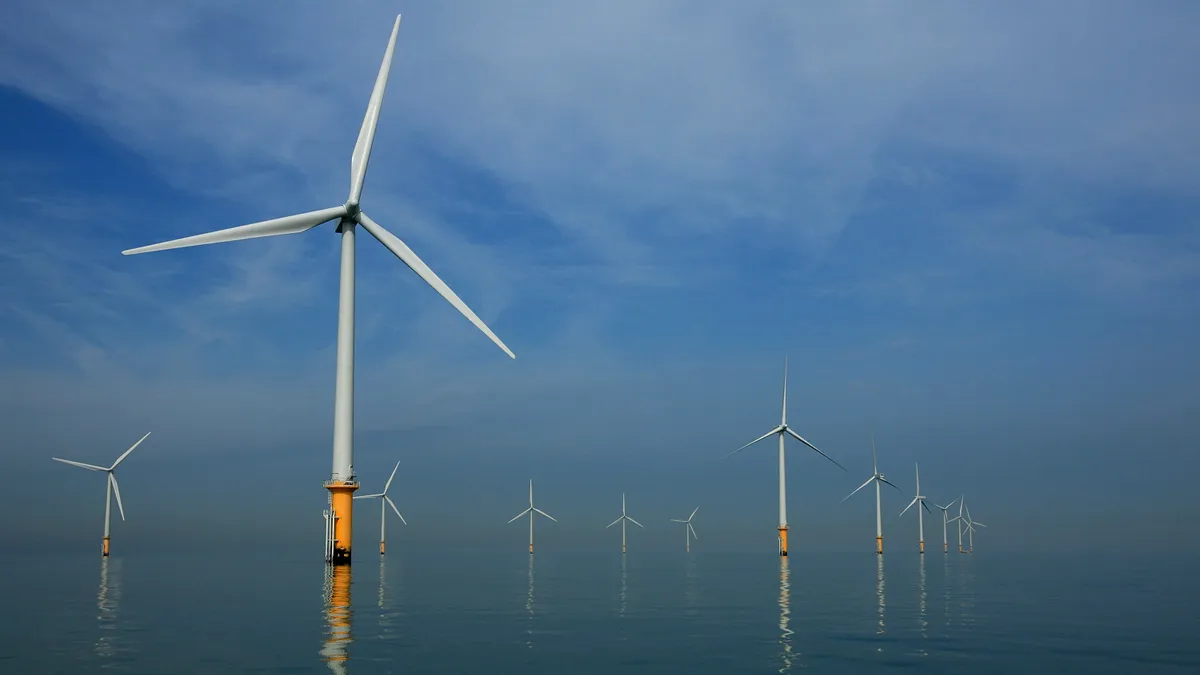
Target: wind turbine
{"type": "Point", "coordinates": [112, 489]}
{"type": "Point", "coordinates": [532, 510]}
{"type": "Point", "coordinates": [622, 520]}
{"type": "Point", "coordinates": [384, 502]}
{"type": "Point", "coordinates": [689, 531]}
{"type": "Point", "coordinates": [959, 518]}
{"type": "Point", "coordinates": [342, 482]}
{"type": "Point", "coordinates": [876, 478]}
{"type": "Point", "coordinates": [971, 531]}
{"type": "Point", "coordinates": [784, 430]}
{"type": "Point", "coordinates": [946, 520]}
{"type": "Point", "coordinates": [920, 516]}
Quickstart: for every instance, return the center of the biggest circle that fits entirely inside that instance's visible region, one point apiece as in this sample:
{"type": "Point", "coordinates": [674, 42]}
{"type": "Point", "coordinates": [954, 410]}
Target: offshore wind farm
{"type": "Point", "coordinates": [965, 233]}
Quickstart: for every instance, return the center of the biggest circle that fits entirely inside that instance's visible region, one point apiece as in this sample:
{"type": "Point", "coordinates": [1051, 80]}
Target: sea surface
{"type": "Point", "coordinates": [554, 612]}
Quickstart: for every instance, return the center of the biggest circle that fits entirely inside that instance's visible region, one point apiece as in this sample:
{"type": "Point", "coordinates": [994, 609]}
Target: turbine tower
{"type": "Point", "coordinates": [959, 519]}
{"type": "Point", "coordinates": [876, 478]}
{"type": "Point", "coordinates": [349, 216]}
{"type": "Point", "coordinates": [946, 520]}
{"type": "Point", "coordinates": [971, 531]}
{"type": "Point", "coordinates": [689, 531]}
{"type": "Point", "coordinates": [784, 430]}
{"type": "Point", "coordinates": [622, 520]}
{"type": "Point", "coordinates": [384, 502]}
{"type": "Point", "coordinates": [111, 489]}
{"type": "Point", "coordinates": [532, 510]}
{"type": "Point", "coordinates": [920, 516]}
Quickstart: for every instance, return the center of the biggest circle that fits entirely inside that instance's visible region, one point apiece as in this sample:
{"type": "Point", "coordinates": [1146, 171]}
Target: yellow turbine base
{"type": "Point", "coordinates": [922, 547]}
{"type": "Point", "coordinates": [783, 530]}
{"type": "Point", "coordinates": [343, 508]}
{"type": "Point", "coordinates": [381, 547]}
{"type": "Point", "coordinates": [104, 547]}
{"type": "Point", "coordinates": [531, 549]}
{"type": "Point", "coordinates": [879, 545]}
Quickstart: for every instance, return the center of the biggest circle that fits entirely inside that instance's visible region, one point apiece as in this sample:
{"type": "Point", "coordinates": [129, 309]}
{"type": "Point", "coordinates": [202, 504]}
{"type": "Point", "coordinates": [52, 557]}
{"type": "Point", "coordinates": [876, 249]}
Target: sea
{"type": "Point", "coordinates": [570, 612]}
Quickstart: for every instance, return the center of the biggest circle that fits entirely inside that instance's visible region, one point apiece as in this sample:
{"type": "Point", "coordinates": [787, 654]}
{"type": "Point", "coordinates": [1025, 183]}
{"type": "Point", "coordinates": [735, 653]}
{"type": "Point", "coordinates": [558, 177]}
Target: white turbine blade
{"type": "Point", "coordinates": [766, 435]}
{"type": "Point", "coordinates": [801, 439]}
{"type": "Point", "coordinates": [112, 478]}
{"type": "Point", "coordinates": [914, 501]}
{"type": "Point", "coordinates": [859, 488]}
{"type": "Point", "coordinates": [126, 453]}
{"type": "Point", "coordinates": [874, 459]}
{"type": "Point", "coordinates": [784, 417]}
{"type": "Point", "coordinates": [635, 522]}
{"type": "Point", "coordinates": [689, 526]}
{"type": "Point", "coordinates": [366, 133]}
{"type": "Point", "coordinates": [521, 514]}
{"type": "Point", "coordinates": [954, 519]}
{"type": "Point", "coordinates": [406, 255]}
{"type": "Point", "coordinates": [976, 522]}
{"type": "Point", "coordinates": [379, 494]}
{"type": "Point", "coordinates": [93, 467]}
{"type": "Point", "coordinates": [693, 514]}
{"type": "Point", "coordinates": [547, 515]}
{"type": "Point", "coordinates": [393, 505]}
{"type": "Point", "coordinates": [267, 228]}
{"type": "Point", "coordinates": [614, 522]}
{"type": "Point", "coordinates": [926, 506]}
{"type": "Point", "coordinates": [676, 520]}
{"type": "Point", "coordinates": [389, 482]}
{"type": "Point", "coordinates": [884, 480]}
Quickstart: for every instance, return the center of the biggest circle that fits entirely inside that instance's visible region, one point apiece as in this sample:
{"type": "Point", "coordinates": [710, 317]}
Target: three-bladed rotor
{"type": "Point", "coordinates": [110, 471]}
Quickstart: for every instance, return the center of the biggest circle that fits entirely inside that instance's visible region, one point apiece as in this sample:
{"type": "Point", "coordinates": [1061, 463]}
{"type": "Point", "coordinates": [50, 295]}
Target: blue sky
{"type": "Point", "coordinates": [972, 228]}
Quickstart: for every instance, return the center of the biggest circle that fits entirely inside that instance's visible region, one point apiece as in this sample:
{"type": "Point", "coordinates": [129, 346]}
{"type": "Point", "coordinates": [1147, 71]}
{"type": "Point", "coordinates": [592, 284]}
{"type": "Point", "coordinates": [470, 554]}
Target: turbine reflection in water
{"type": "Point", "coordinates": [529, 607]}
{"type": "Point", "coordinates": [624, 587]}
{"type": "Point", "coordinates": [922, 621]}
{"type": "Point", "coordinates": [785, 633]}
{"type": "Point", "coordinates": [390, 613]}
{"type": "Point", "coordinates": [690, 591]}
{"type": "Point", "coordinates": [339, 616]}
{"type": "Point", "coordinates": [108, 600]}
{"type": "Point", "coordinates": [879, 592]}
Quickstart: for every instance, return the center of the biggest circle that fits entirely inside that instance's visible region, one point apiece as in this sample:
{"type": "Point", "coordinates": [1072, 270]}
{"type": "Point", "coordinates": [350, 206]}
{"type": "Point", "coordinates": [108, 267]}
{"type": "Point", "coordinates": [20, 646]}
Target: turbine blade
{"type": "Point", "coordinates": [393, 505]}
{"type": "Point", "coordinates": [366, 133]}
{"type": "Point", "coordinates": [521, 514]}
{"type": "Point", "coordinates": [689, 525]}
{"type": "Point", "coordinates": [388, 484]}
{"type": "Point", "coordinates": [547, 515]}
{"type": "Point", "coordinates": [693, 514]}
{"type": "Point", "coordinates": [926, 506]}
{"type": "Point", "coordinates": [676, 520]}
{"type": "Point", "coordinates": [614, 522]}
{"type": "Point", "coordinates": [93, 467]}
{"type": "Point", "coordinates": [914, 501]}
{"type": "Point", "coordinates": [635, 522]}
{"type": "Point", "coordinates": [858, 488]}
{"type": "Point", "coordinates": [377, 494]}
{"type": "Point", "coordinates": [117, 492]}
{"type": "Point", "coordinates": [406, 255]}
{"type": "Point", "coordinates": [126, 453]}
{"type": "Point", "coordinates": [799, 438]}
{"type": "Point", "coordinates": [784, 417]}
{"type": "Point", "coordinates": [267, 228]}
{"type": "Point", "coordinates": [884, 480]}
{"type": "Point", "coordinates": [766, 435]}
{"type": "Point", "coordinates": [976, 522]}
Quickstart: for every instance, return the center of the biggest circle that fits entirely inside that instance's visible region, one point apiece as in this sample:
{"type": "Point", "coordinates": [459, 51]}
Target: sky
{"type": "Point", "coordinates": [971, 229]}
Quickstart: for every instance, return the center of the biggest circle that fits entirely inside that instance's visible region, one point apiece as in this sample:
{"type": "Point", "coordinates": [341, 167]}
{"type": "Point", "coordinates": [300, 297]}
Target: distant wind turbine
{"type": "Point", "coordinates": [876, 478]}
{"type": "Point", "coordinates": [384, 502]}
{"type": "Point", "coordinates": [622, 520]}
{"type": "Point", "coordinates": [689, 531]}
{"type": "Point", "coordinates": [784, 430]}
{"type": "Point", "coordinates": [920, 516]}
{"type": "Point", "coordinates": [111, 490]}
{"type": "Point", "coordinates": [349, 216]}
{"type": "Point", "coordinates": [946, 521]}
{"type": "Point", "coordinates": [959, 519]}
{"type": "Point", "coordinates": [532, 510]}
{"type": "Point", "coordinates": [971, 531]}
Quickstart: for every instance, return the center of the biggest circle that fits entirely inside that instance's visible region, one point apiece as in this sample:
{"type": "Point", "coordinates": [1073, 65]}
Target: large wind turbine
{"type": "Point", "coordinates": [112, 489]}
{"type": "Point", "coordinates": [384, 502]}
{"type": "Point", "coordinates": [622, 520]}
{"type": "Point", "coordinates": [971, 531]}
{"type": "Point", "coordinates": [532, 510]}
{"type": "Point", "coordinates": [784, 430]}
{"type": "Point", "coordinates": [689, 531]}
{"type": "Point", "coordinates": [920, 516]}
{"type": "Point", "coordinates": [342, 482]}
{"type": "Point", "coordinates": [876, 478]}
{"type": "Point", "coordinates": [946, 520]}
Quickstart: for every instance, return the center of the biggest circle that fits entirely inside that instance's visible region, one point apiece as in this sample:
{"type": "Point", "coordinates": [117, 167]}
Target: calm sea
{"type": "Point", "coordinates": [573, 613]}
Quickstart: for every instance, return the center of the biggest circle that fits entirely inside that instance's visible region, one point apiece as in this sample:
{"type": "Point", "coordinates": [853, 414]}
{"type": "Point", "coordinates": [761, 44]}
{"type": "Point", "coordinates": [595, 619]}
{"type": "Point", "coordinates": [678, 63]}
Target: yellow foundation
{"type": "Point", "coordinates": [783, 540]}
{"type": "Point", "coordinates": [879, 545]}
{"type": "Point", "coordinates": [381, 548]}
{"type": "Point", "coordinates": [104, 547]}
{"type": "Point", "coordinates": [343, 507]}
{"type": "Point", "coordinates": [531, 549]}
{"type": "Point", "coordinates": [945, 548]}
{"type": "Point", "coordinates": [922, 547]}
